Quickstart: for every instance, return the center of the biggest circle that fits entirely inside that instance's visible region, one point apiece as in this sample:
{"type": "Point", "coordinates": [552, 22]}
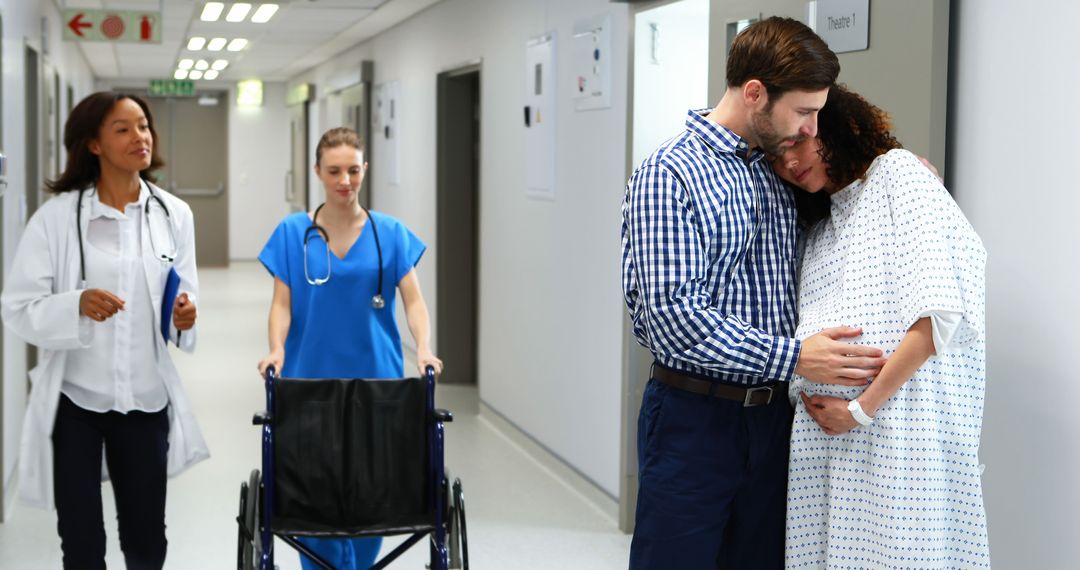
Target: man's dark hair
{"type": "Point", "coordinates": [783, 54]}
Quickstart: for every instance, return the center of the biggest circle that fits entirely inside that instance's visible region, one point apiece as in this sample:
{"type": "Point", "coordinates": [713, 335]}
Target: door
{"type": "Point", "coordinates": [193, 139]}
{"type": "Point", "coordinates": [296, 179]}
{"type": "Point", "coordinates": [356, 106]}
{"type": "Point", "coordinates": [670, 76]}
{"type": "Point", "coordinates": [458, 217]}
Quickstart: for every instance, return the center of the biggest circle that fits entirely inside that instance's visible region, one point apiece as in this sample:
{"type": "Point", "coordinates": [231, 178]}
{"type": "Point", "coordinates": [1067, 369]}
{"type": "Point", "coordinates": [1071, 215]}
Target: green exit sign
{"type": "Point", "coordinates": [172, 88]}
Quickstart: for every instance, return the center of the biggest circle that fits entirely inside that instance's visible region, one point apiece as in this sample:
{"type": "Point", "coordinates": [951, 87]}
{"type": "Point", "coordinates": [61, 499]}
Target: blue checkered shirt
{"type": "Point", "coordinates": [709, 250]}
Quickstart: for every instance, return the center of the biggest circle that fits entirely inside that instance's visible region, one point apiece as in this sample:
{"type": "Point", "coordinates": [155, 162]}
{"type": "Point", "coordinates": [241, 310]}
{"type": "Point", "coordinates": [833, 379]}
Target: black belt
{"type": "Point", "coordinates": [749, 396]}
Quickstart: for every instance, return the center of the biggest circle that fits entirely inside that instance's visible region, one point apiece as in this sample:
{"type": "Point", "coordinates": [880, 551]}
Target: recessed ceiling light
{"type": "Point", "coordinates": [180, 74]}
{"type": "Point", "coordinates": [238, 12]}
{"type": "Point", "coordinates": [264, 13]}
{"type": "Point", "coordinates": [219, 64]}
{"type": "Point", "coordinates": [196, 43]}
{"type": "Point", "coordinates": [212, 11]}
{"type": "Point", "coordinates": [211, 75]}
{"type": "Point", "coordinates": [216, 44]}
{"type": "Point", "coordinates": [195, 75]}
{"type": "Point", "coordinates": [185, 64]}
{"type": "Point", "coordinates": [238, 44]}
{"type": "Point", "coordinates": [201, 65]}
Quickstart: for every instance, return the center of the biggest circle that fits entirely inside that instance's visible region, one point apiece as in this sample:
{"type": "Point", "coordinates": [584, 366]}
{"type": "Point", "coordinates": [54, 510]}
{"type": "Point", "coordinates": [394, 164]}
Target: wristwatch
{"type": "Point", "coordinates": [858, 413]}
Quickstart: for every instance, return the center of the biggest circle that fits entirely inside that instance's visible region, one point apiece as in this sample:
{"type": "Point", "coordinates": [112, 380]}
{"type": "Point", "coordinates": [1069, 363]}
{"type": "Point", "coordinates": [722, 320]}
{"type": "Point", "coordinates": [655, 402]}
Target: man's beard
{"type": "Point", "coordinates": [769, 140]}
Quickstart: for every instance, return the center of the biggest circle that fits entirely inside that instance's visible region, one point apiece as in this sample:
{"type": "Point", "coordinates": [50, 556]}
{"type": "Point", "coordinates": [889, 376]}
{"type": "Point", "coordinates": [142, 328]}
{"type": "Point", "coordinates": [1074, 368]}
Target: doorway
{"type": "Point", "coordinates": [457, 221]}
{"type": "Point", "coordinates": [356, 111]}
{"type": "Point", "coordinates": [670, 75]}
{"type": "Point", "coordinates": [296, 179]}
{"type": "Point", "coordinates": [193, 140]}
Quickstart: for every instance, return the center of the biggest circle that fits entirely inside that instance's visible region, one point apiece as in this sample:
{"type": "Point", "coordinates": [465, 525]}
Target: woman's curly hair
{"type": "Point", "coordinates": [853, 132]}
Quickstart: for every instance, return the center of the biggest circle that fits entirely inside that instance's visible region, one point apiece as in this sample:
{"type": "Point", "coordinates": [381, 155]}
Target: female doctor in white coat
{"type": "Point", "coordinates": [86, 287]}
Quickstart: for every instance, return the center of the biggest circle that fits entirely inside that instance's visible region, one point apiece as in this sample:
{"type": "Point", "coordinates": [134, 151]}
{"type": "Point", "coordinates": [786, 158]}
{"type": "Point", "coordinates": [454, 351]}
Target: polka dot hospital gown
{"type": "Point", "coordinates": [903, 492]}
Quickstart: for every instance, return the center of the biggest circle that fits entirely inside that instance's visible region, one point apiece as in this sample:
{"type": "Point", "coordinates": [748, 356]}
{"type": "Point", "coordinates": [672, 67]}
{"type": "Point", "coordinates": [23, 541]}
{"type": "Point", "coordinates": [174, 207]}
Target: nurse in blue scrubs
{"type": "Point", "coordinates": [333, 313]}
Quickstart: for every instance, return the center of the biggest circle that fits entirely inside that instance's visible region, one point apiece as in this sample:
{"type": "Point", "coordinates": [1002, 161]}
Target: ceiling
{"type": "Point", "coordinates": [302, 33]}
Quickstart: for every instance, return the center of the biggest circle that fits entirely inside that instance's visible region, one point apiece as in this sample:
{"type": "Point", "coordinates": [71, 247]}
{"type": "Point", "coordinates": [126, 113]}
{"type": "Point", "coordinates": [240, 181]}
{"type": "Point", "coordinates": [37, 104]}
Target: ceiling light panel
{"type": "Point", "coordinates": [210, 75]}
{"type": "Point", "coordinates": [196, 43]}
{"type": "Point", "coordinates": [195, 75]}
{"type": "Point", "coordinates": [238, 44]}
{"type": "Point", "coordinates": [219, 64]}
{"type": "Point", "coordinates": [238, 12]}
{"type": "Point", "coordinates": [216, 44]}
{"type": "Point", "coordinates": [185, 64]}
{"type": "Point", "coordinates": [180, 74]}
{"type": "Point", "coordinates": [202, 65]}
{"type": "Point", "coordinates": [212, 11]}
{"type": "Point", "coordinates": [263, 14]}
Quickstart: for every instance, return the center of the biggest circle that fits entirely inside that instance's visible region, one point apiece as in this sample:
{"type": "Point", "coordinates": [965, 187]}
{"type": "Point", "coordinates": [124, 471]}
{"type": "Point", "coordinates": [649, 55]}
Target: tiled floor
{"type": "Point", "coordinates": [519, 514]}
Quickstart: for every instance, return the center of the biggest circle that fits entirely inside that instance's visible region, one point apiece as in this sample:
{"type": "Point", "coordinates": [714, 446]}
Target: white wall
{"type": "Point", "coordinates": [550, 307]}
{"type": "Point", "coordinates": [1015, 127]}
{"type": "Point", "coordinates": [258, 161]}
{"type": "Point", "coordinates": [21, 27]}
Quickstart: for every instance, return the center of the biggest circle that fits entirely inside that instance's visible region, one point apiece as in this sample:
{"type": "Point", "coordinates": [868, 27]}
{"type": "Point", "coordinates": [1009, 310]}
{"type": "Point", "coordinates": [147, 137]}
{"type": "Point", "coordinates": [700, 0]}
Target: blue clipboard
{"type": "Point", "coordinates": [168, 299]}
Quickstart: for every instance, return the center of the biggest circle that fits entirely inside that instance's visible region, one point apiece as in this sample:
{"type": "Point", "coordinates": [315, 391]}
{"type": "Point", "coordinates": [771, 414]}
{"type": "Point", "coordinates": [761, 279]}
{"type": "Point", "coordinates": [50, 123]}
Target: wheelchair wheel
{"type": "Point", "coordinates": [456, 535]}
{"type": "Point", "coordinates": [249, 548]}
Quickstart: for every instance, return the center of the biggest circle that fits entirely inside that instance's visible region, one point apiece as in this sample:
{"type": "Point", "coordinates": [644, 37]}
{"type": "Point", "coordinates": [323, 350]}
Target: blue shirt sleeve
{"type": "Point", "coordinates": [274, 255]}
{"type": "Point", "coordinates": [410, 250]}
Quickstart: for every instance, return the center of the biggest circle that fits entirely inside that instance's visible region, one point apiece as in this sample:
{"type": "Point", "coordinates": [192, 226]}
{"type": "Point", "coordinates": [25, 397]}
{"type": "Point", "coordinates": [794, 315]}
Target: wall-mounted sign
{"type": "Point", "coordinates": [843, 24]}
{"type": "Point", "coordinates": [591, 61]}
{"type": "Point", "coordinates": [171, 88]}
{"type": "Point", "coordinates": [112, 26]}
{"type": "Point", "coordinates": [249, 93]}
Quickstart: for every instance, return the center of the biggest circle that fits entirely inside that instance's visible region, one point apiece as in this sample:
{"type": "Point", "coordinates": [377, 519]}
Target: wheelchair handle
{"type": "Point", "coordinates": [270, 372]}
{"type": "Point", "coordinates": [429, 372]}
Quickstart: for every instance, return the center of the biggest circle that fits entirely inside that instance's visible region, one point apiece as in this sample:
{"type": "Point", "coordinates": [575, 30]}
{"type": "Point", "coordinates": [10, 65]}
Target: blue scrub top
{"type": "Point", "coordinates": [335, 332]}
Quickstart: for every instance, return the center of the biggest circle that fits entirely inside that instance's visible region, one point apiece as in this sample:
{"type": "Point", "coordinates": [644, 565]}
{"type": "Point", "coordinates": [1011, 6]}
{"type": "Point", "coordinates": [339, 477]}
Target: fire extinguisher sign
{"type": "Point", "coordinates": [112, 26]}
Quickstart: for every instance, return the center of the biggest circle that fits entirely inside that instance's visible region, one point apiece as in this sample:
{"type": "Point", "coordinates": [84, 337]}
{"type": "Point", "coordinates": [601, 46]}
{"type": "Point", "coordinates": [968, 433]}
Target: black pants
{"type": "Point", "coordinates": [713, 482]}
{"type": "Point", "coordinates": [135, 451]}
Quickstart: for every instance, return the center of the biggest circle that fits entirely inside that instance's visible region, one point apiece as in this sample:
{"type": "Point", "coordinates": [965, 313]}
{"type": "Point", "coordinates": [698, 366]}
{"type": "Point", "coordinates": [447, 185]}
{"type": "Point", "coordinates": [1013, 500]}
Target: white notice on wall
{"type": "Point", "coordinates": [539, 116]}
{"type": "Point", "coordinates": [843, 24]}
{"type": "Point", "coordinates": [591, 60]}
{"type": "Point", "coordinates": [385, 122]}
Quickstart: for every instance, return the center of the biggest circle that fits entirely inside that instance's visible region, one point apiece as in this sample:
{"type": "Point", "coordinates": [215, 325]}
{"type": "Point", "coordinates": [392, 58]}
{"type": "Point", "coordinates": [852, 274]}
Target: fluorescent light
{"type": "Point", "coordinates": [185, 64]}
{"type": "Point", "coordinates": [264, 13]}
{"type": "Point", "coordinates": [195, 75]}
{"type": "Point", "coordinates": [196, 43]}
{"type": "Point", "coordinates": [216, 44]}
{"type": "Point", "coordinates": [219, 64]}
{"type": "Point", "coordinates": [238, 44]}
{"type": "Point", "coordinates": [249, 93]}
{"type": "Point", "coordinates": [180, 74]}
{"type": "Point", "coordinates": [212, 11]}
{"type": "Point", "coordinates": [201, 65]}
{"type": "Point", "coordinates": [211, 75]}
{"type": "Point", "coordinates": [238, 12]}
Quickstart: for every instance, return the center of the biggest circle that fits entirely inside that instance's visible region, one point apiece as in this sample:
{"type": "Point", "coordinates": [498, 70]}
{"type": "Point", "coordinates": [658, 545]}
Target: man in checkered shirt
{"type": "Point", "coordinates": [709, 277]}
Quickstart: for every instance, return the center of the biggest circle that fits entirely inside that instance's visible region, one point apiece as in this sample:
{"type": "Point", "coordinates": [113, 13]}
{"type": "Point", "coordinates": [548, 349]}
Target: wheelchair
{"type": "Point", "coordinates": [352, 458]}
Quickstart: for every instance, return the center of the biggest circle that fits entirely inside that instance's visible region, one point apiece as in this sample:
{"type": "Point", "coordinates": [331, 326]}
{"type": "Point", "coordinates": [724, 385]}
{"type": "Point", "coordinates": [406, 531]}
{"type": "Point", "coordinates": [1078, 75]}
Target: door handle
{"type": "Point", "coordinates": [202, 192]}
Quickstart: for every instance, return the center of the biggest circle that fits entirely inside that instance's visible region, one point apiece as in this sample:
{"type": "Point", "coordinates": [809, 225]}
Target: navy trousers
{"type": "Point", "coordinates": [135, 447]}
{"type": "Point", "coordinates": [712, 482]}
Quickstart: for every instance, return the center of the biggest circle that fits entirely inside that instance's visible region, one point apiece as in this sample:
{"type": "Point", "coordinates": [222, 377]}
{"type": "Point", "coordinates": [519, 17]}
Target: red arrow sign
{"type": "Point", "coordinates": [76, 24]}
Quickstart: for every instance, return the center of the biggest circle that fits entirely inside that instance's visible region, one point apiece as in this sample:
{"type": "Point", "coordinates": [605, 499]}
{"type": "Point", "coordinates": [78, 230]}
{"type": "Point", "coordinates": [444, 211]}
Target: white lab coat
{"type": "Point", "coordinates": [40, 303]}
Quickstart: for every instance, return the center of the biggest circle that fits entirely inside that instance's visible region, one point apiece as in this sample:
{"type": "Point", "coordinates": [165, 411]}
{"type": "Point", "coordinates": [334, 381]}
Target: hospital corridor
{"type": "Point", "coordinates": [663, 262]}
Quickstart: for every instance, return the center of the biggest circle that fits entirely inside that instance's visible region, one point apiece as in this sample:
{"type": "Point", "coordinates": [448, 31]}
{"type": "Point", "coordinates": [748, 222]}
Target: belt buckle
{"type": "Point", "coordinates": [750, 394]}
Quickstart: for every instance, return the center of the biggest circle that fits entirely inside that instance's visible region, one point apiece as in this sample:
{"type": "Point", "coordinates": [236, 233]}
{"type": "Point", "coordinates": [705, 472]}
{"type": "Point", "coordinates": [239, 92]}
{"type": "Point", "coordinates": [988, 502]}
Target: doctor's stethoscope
{"type": "Point", "coordinates": [377, 300]}
{"type": "Point", "coordinates": [167, 257]}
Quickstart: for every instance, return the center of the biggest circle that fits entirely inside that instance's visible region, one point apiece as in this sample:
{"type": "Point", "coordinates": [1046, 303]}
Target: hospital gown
{"type": "Point", "coordinates": [904, 492]}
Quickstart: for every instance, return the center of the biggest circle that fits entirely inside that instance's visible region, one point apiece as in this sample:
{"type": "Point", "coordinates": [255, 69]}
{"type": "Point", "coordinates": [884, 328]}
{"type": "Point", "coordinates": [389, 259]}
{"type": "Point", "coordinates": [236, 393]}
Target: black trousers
{"type": "Point", "coordinates": [136, 446]}
{"type": "Point", "coordinates": [713, 482]}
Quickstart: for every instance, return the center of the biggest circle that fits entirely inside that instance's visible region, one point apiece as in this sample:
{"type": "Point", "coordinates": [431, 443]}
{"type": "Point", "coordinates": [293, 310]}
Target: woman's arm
{"type": "Point", "coordinates": [278, 328]}
{"type": "Point", "coordinates": [915, 348]}
{"type": "Point", "coordinates": [416, 313]}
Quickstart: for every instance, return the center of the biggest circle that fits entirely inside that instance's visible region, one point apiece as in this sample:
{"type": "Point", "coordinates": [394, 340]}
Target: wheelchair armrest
{"type": "Point", "coordinates": [260, 418]}
{"type": "Point", "coordinates": [443, 415]}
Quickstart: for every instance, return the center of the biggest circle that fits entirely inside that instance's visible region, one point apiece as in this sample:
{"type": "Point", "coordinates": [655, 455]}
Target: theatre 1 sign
{"type": "Point", "coordinates": [112, 26]}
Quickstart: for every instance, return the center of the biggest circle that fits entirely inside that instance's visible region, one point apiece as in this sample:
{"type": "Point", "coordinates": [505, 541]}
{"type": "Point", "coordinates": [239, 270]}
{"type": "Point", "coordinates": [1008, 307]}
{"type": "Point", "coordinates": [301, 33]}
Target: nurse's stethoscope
{"type": "Point", "coordinates": [377, 300]}
{"type": "Point", "coordinates": [167, 256]}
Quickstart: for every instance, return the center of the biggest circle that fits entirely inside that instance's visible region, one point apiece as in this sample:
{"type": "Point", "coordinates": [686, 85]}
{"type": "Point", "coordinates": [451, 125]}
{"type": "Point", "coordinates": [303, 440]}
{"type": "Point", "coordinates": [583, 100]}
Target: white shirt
{"type": "Point", "coordinates": [118, 371]}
